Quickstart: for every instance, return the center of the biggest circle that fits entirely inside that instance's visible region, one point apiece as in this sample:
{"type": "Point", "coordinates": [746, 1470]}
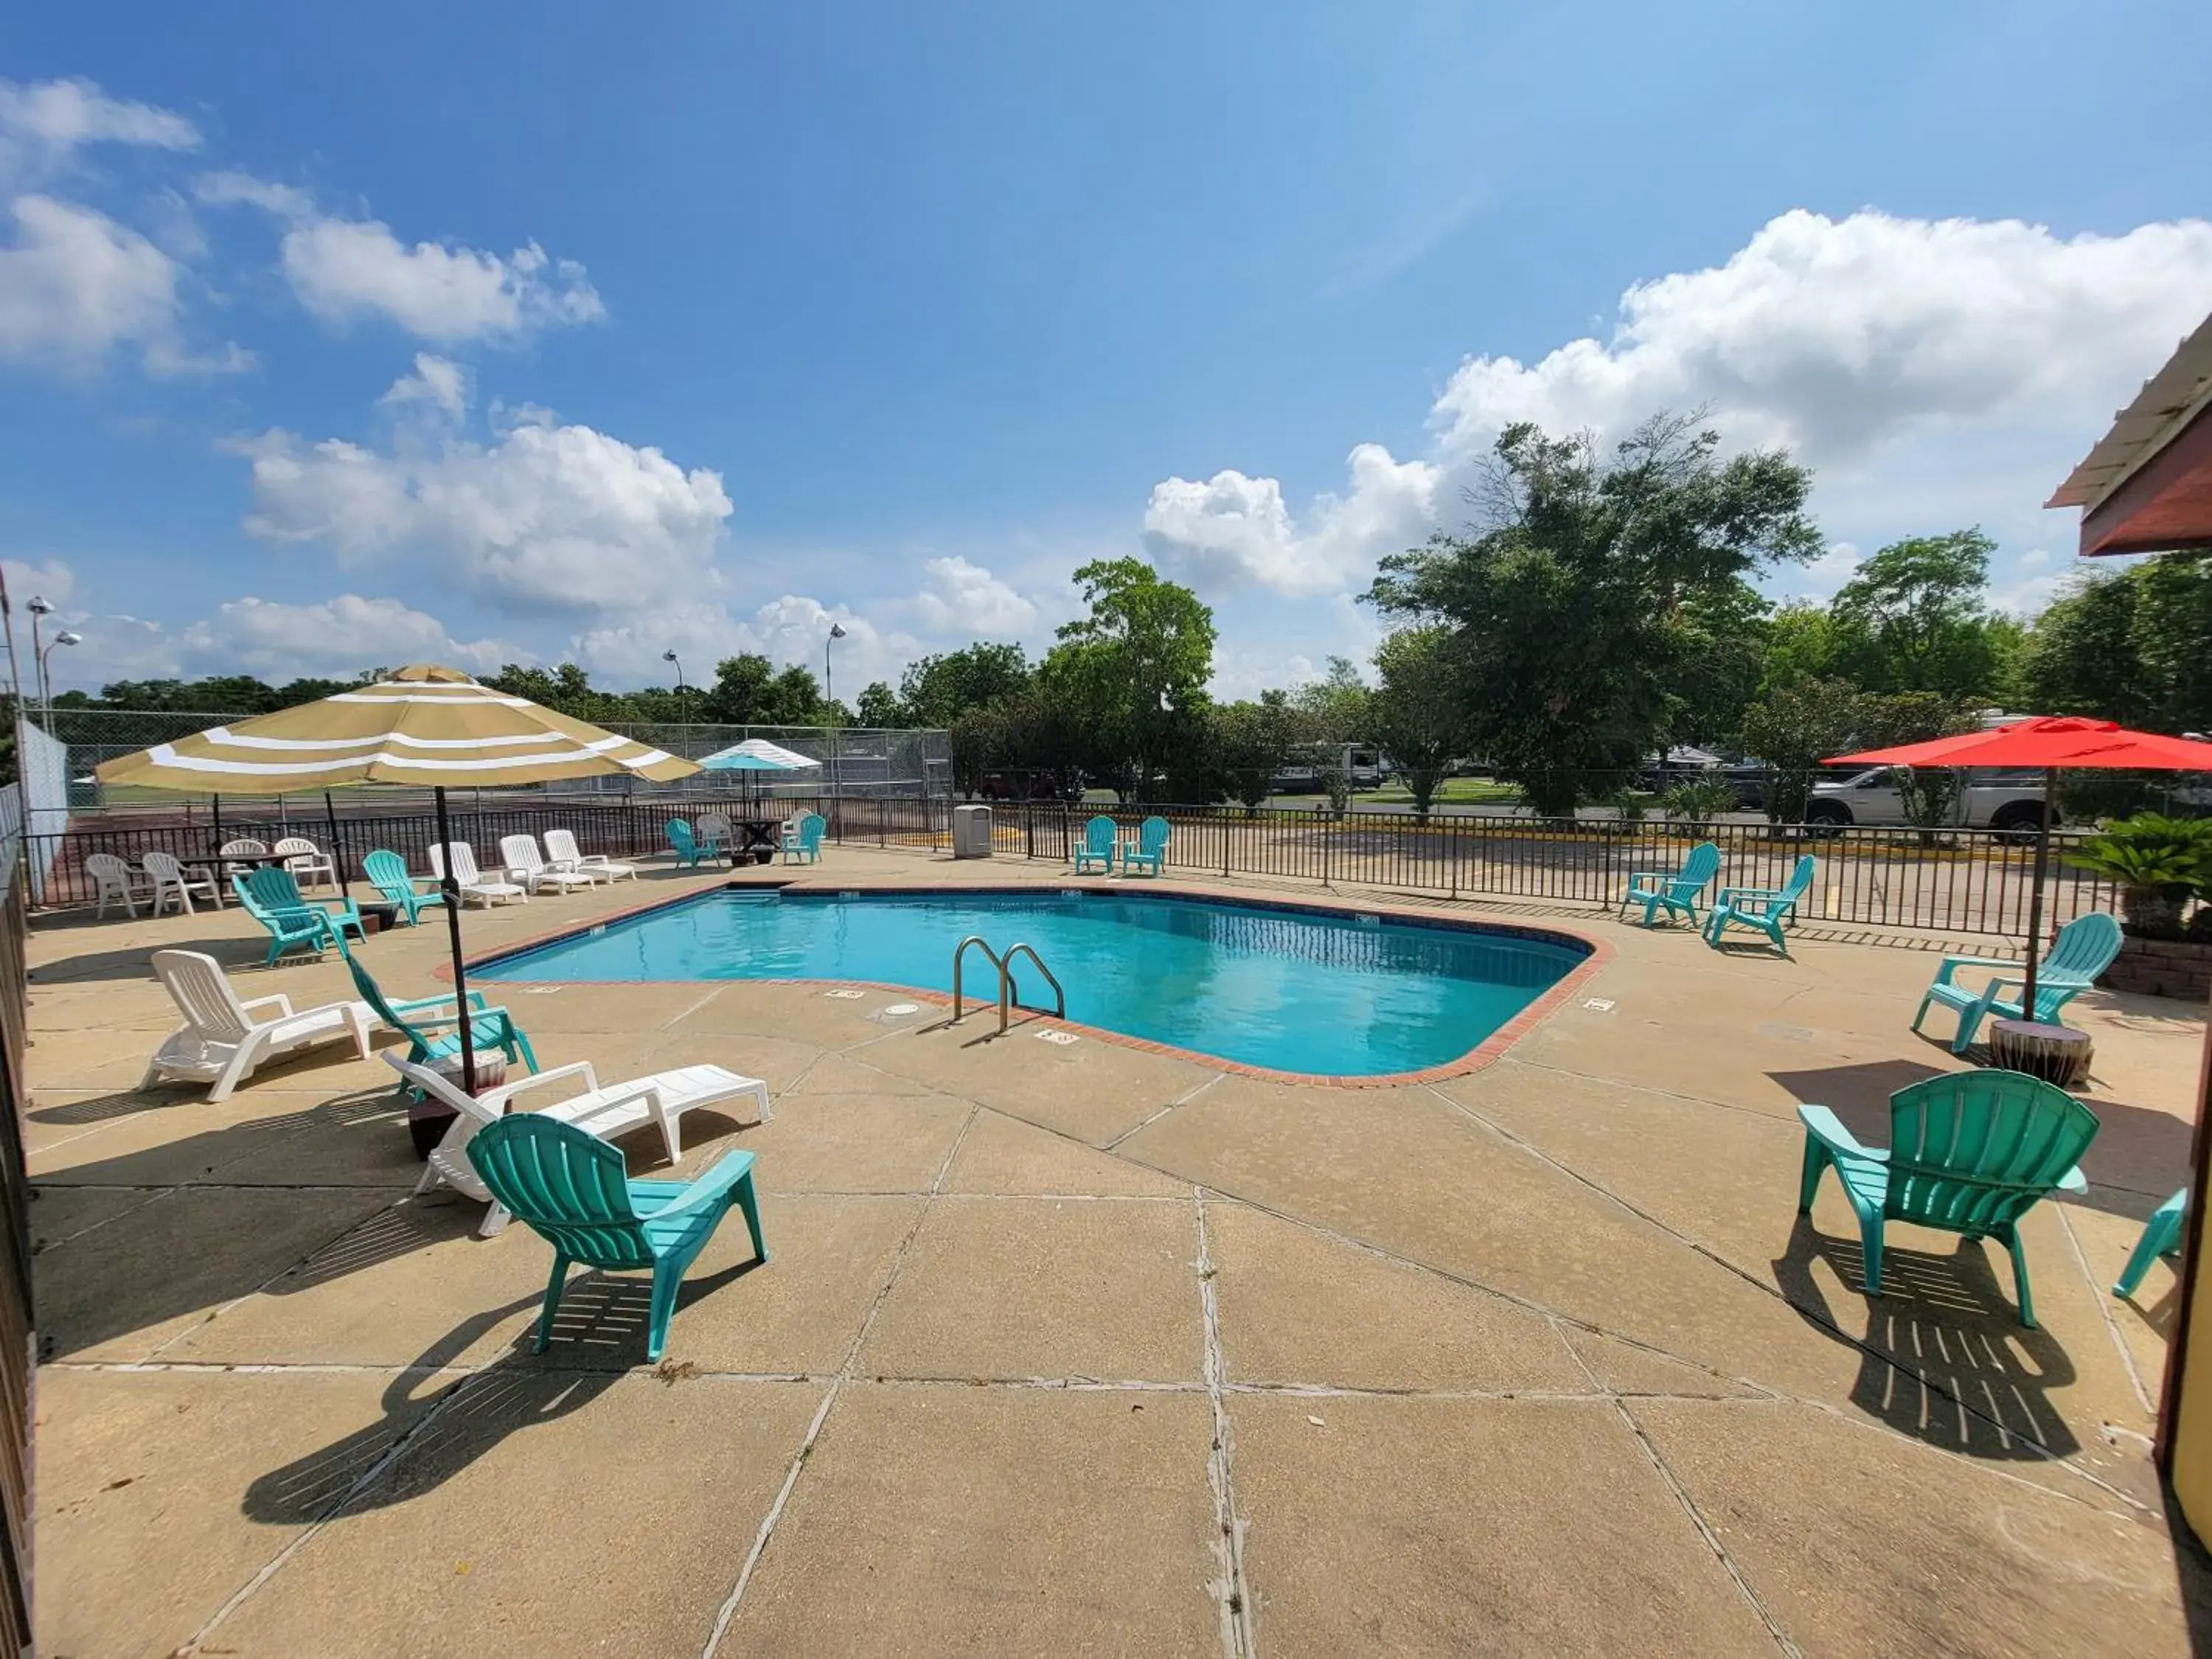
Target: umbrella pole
{"type": "Point", "coordinates": [452, 889]}
{"type": "Point", "coordinates": [2035, 892]}
{"type": "Point", "coordinates": [337, 854]}
{"type": "Point", "coordinates": [215, 806]}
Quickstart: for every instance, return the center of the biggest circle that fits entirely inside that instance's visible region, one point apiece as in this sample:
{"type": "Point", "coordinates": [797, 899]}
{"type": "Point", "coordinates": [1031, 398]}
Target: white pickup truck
{"type": "Point", "coordinates": [2007, 802]}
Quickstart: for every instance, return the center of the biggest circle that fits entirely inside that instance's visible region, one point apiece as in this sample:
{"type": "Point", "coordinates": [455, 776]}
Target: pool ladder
{"type": "Point", "coordinates": [1007, 999]}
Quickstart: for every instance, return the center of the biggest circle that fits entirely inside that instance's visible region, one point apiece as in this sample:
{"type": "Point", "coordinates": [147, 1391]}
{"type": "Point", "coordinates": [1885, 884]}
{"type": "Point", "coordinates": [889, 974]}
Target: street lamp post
{"type": "Point", "coordinates": [40, 610]}
{"type": "Point", "coordinates": [683, 707]}
{"type": "Point", "coordinates": [829, 695]}
{"type": "Point", "coordinates": [45, 678]}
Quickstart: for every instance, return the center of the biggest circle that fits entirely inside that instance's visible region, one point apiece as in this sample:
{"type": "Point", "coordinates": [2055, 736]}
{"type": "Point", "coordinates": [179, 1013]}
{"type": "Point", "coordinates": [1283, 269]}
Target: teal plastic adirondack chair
{"type": "Point", "coordinates": [1098, 846]}
{"type": "Point", "coordinates": [1969, 1152]}
{"type": "Point", "coordinates": [574, 1192]}
{"type": "Point", "coordinates": [417, 1018]}
{"type": "Point", "coordinates": [1677, 893]}
{"type": "Point", "coordinates": [387, 872]}
{"type": "Point", "coordinates": [802, 844]}
{"type": "Point", "coordinates": [272, 898]}
{"type": "Point", "coordinates": [1767, 911]}
{"type": "Point", "coordinates": [1151, 850]}
{"type": "Point", "coordinates": [2085, 947]}
{"type": "Point", "coordinates": [2161, 1236]}
{"type": "Point", "coordinates": [689, 850]}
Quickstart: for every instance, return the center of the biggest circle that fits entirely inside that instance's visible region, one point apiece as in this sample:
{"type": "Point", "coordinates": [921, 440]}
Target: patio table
{"type": "Point", "coordinates": [758, 840]}
{"type": "Point", "coordinates": [215, 863]}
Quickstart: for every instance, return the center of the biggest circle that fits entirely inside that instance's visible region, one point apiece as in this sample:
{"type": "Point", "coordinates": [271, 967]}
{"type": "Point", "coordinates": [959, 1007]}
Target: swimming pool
{"type": "Point", "coordinates": [1291, 990]}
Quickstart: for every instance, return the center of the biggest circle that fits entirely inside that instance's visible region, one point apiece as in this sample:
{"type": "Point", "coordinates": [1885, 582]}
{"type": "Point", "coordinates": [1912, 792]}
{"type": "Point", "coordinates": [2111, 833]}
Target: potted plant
{"type": "Point", "coordinates": [2158, 861]}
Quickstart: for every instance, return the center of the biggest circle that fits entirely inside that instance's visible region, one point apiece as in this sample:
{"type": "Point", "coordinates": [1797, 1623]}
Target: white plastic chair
{"type": "Point", "coordinates": [310, 862]}
{"type": "Point", "coordinates": [170, 877]}
{"type": "Point", "coordinates": [472, 882]}
{"type": "Point", "coordinates": [523, 859]}
{"type": "Point", "coordinates": [113, 878]}
{"type": "Point", "coordinates": [561, 848]}
{"type": "Point", "coordinates": [713, 829]}
{"type": "Point", "coordinates": [222, 1039]}
{"type": "Point", "coordinates": [241, 846]}
{"type": "Point", "coordinates": [603, 1113]}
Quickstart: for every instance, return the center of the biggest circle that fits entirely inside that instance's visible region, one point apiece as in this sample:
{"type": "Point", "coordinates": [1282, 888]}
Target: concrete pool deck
{"type": "Point", "coordinates": [1086, 1348]}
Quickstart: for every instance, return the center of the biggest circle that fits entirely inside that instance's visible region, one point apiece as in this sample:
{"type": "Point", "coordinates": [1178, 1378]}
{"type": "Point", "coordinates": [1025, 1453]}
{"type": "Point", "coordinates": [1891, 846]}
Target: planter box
{"type": "Point", "coordinates": [2161, 967]}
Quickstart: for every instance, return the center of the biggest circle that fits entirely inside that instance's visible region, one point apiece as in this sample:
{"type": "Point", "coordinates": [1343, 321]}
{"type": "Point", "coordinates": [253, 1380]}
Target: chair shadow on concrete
{"type": "Point", "coordinates": [236, 951]}
{"type": "Point", "coordinates": [1944, 1358]}
{"type": "Point", "coordinates": [599, 1338]}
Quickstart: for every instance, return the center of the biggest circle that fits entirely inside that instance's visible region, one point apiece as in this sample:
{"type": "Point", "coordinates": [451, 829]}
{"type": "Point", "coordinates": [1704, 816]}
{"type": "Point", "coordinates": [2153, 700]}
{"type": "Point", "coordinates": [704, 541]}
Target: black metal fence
{"type": "Point", "coordinates": [1954, 881]}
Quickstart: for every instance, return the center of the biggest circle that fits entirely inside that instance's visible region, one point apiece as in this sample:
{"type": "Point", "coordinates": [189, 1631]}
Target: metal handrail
{"type": "Point", "coordinates": [1021, 948]}
{"type": "Point", "coordinates": [960, 952]}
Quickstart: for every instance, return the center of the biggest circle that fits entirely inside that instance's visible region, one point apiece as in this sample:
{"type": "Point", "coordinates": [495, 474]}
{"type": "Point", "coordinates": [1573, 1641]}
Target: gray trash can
{"type": "Point", "coordinates": [972, 832]}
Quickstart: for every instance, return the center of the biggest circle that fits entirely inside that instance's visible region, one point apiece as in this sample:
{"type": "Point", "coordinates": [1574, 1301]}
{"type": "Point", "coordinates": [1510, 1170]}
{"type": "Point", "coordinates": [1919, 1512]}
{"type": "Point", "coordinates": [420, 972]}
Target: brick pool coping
{"type": "Point", "coordinates": [1597, 953]}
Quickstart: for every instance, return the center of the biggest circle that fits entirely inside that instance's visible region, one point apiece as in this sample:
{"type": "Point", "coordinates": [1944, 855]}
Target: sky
{"type": "Point", "coordinates": [334, 337]}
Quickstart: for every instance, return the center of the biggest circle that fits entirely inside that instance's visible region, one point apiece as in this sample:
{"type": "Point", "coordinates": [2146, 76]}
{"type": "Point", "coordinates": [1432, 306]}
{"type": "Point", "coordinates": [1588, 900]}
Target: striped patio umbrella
{"type": "Point", "coordinates": [423, 725]}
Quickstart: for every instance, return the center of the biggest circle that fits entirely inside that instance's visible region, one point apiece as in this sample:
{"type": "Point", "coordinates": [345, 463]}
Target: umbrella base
{"type": "Point", "coordinates": [2057, 1053]}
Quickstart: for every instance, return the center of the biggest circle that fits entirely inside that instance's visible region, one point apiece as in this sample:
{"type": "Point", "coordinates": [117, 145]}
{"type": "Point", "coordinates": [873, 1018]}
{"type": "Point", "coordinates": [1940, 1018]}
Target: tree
{"type": "Point", "coordinates": [1793, 728]}
{"type": "Point", "coordinates": [1572, 609]}
{"type": "Point", "coordinates": [566, 689]}
{"type": "Point", "coordinates": [749, 691]}
{"type": "Point", "coordinates": [880, 706]}
{"type": "Point", "coordinates": [1415, 713]}
{"type": "Point", "coordinates": [935, 690]}
{"type": "Point", "coordinates": [2128, 646]}
{"type": "Point", "coordinates": [1250, 741]}
{"type": "Point", "coordinates": [1333, 710]}
{"type": "Point", "coordinates": [1130, 677]}
{"type": "Point", "coordinates": [1913, 619]}
{"type": "Point", "coordinates": [2081, 657]}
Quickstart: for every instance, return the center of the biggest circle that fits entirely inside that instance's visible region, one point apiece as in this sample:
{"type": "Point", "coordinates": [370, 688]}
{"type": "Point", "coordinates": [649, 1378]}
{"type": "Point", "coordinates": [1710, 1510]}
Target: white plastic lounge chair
{"type": "Point", "coordinates": [111, 879]}
{"type": "Point", "coordinates": [170, 878]}
{"type": "Point", "coordinates": [527, 865]}
{"type": "Point", "coordinates": [474, 884]}
{"type": "Point", "coordinates": [222, 1039]}
{"type": "Point", "coordinates": [561, 848]}
{"type": "Point", "coordinates": [603, 1113]}
{"type": "Point", "coordinates": [309, 862]}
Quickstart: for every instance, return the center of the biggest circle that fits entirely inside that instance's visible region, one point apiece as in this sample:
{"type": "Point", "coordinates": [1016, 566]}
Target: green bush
{"type": "Point", "coordinates": [2159, 862]}
{"type": "Point", "coordinates": [1698, 800]}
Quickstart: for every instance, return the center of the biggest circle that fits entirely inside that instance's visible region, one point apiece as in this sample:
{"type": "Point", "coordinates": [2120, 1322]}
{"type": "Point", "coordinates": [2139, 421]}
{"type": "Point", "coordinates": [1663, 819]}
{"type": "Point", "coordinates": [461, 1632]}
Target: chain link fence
{"type": "Point", "coordinates": [866, 761]}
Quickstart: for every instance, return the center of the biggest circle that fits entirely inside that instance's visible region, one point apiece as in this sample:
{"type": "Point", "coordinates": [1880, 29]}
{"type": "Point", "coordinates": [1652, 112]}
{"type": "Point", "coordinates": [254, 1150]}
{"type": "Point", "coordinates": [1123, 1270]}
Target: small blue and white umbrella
{"type": "Point", "coordinates": [756, 755]}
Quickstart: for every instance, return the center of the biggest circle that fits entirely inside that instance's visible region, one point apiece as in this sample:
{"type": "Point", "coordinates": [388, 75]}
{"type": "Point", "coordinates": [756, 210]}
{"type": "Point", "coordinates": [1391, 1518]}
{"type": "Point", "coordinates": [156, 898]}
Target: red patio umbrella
{"type": "Point", "coordinates": [2055, 744]}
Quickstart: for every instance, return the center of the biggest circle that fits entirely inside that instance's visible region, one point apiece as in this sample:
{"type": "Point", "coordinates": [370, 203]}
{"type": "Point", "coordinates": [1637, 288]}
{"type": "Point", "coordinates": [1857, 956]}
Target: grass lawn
{"type": "Point", "coordinates": [1453, 792]}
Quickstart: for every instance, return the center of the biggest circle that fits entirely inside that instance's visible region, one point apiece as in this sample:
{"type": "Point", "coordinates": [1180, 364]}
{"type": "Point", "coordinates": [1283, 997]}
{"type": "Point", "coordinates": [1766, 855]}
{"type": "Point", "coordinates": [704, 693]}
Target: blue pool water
{"type": "Point", "coordinates": [1289, 990]}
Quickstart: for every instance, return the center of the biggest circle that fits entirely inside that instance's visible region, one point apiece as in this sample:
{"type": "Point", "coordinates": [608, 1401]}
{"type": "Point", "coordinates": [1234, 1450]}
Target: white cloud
{"type": "Point", "coordinates": [2034, 559]}
{"type": "Point", "coordinates": [1835, 566]}
{"type": "Point", "coordinates": [1837, 335]}
{"type": "Point", "coordinates": [790, 628]}
{"type": "Point", "coordinates": [547, 516]}
{"type": "Point", "coordinates": [1939, 373]}
{"type": "Point", "coordinates": [346, 269]}
{"type": "Point", "coordinates": [43, 124]}
{"type": "Point", "coordinates": [966, 599]}
{"type": "Point", "coordinates": [74, 285]}
{"type": "Point", "coordinates": [437, 382]}
{"type": "Point", "coordinates": [1233, 530]}
{"type": "Point", "coordinates": [341, 636]}
{"type": "Point", "coordinates": [49, 578]}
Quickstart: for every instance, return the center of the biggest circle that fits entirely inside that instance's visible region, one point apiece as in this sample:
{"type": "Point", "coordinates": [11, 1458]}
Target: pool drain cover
{"type": "Point", "coordinates": [1063, 1038]}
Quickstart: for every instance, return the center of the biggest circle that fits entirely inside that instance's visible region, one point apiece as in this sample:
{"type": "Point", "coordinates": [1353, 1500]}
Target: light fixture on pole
{"type": "Point", "coordinates": [46, 678]}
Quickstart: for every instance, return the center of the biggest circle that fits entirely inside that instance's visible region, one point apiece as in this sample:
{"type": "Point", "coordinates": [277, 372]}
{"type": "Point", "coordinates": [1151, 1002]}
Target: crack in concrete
{"type": "Point", "coordinates": [846, 1371]}
{"type": "Point", "coordinates": [1231, 1587]}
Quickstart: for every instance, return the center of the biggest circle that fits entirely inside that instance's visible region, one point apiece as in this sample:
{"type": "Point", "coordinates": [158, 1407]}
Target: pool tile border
{"type": "Point", "coordinates": [1598, 953]}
